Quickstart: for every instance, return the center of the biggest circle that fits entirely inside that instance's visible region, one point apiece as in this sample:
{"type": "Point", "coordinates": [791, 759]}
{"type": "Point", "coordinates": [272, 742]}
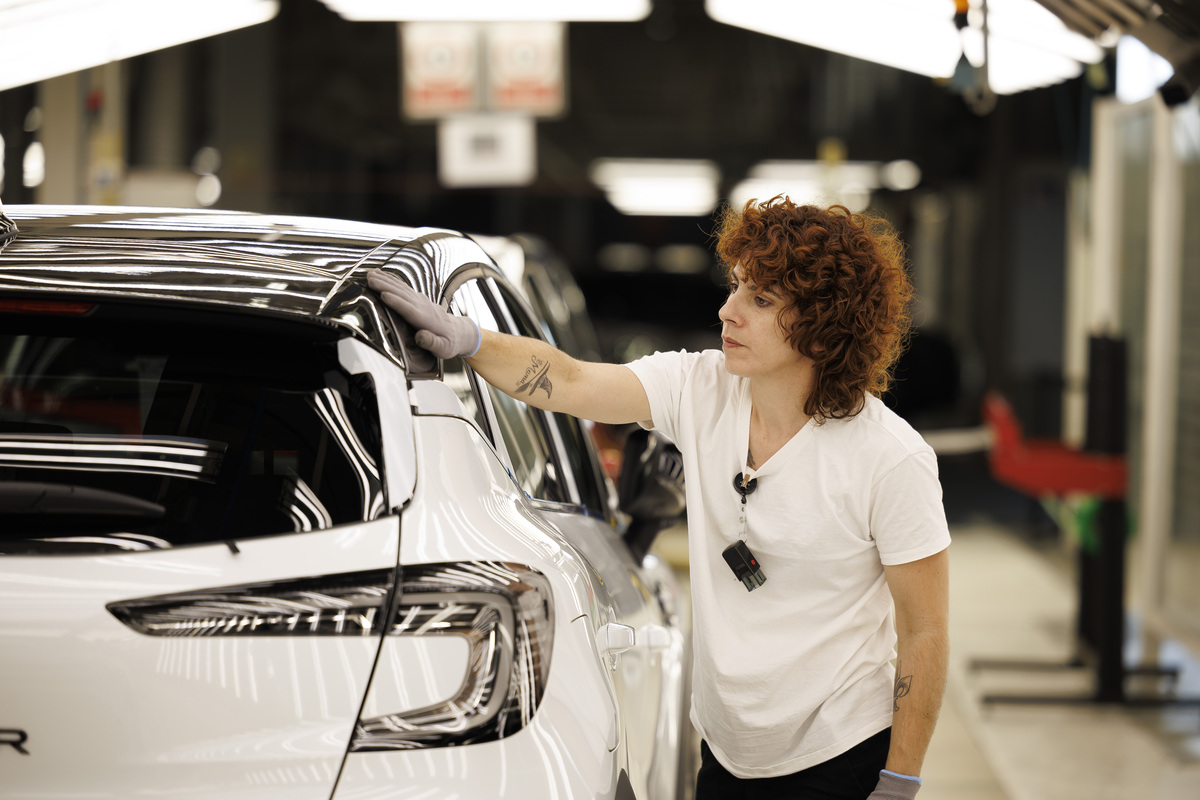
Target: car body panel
{"type": "Point", "coordinates": [395, 417]}
{"type": "Point", "coordinates": [644, 679]}
{"type": "Point", "coordinates": [200, 717]}
{"type": "Point", "coordinates": [568, 750]}
{"type": "Point", "coordinates": [463, 495]}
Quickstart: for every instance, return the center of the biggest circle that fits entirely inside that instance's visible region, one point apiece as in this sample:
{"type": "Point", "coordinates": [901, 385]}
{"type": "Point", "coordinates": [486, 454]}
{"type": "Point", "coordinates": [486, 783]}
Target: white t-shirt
{"type": "Point", "coordinates": [799, 670]}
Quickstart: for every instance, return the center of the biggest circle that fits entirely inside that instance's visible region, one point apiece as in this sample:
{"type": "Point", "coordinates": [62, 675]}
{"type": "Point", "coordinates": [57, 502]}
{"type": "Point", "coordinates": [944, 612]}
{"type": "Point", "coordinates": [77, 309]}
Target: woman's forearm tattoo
{"type": "Point", "coordinates": [536, 377]}
{"type": "Point", "coordinates": [903, 684]}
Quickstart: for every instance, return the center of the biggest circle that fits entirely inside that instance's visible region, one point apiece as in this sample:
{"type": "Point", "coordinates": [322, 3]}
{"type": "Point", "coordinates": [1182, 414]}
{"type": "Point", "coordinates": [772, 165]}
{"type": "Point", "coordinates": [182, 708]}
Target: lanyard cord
{"type": "Point", "coordinates": [744, 488]}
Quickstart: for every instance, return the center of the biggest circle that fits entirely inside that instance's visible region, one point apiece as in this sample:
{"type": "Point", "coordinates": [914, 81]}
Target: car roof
{"type": "Point", "coordinates": [306, 268]}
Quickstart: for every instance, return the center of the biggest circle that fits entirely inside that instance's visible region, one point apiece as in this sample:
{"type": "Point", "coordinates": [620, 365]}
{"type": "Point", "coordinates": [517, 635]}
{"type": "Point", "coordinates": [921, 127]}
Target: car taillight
{"type": "Point", "coordinates": [503, 610]}
{"type": "Point", "coordinates": [347, 604]}
{"type": "Point", "coordinates": [505, 613]}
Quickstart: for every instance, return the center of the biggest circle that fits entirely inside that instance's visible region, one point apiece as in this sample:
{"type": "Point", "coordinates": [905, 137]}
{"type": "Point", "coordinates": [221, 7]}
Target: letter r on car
{"type": "Point", "coordinates": [15, 739]}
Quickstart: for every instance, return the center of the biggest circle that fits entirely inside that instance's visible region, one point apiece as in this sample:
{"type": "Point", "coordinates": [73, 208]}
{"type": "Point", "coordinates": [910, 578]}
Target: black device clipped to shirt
{"type": "Point", "coordinates": [738, 556]}
{"type": "Point", "coordinates": [744, 565]}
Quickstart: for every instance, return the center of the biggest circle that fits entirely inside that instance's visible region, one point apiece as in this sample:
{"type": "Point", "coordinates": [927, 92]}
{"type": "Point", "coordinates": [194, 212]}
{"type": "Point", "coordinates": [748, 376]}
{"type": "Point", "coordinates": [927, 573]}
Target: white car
{"type": "Point", "coordinates": [256, 544]}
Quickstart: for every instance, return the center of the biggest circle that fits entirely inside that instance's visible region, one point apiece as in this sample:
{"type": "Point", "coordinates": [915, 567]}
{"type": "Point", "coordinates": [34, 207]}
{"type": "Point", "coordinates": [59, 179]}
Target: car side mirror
{"type": "Point", "coordinates": [650, 488]}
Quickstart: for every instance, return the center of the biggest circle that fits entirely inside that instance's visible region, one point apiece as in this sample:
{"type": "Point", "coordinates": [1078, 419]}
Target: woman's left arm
{"type": "Point", "coordinates": [921, 592]}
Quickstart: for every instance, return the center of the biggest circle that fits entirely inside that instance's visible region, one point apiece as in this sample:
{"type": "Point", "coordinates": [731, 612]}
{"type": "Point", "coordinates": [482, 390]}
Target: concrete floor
{"type": "Point", "coordinates": [1013, 601]}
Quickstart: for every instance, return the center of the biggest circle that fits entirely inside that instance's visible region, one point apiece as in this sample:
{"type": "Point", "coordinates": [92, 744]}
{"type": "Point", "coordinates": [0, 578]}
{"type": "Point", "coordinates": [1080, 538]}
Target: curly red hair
{"type": "Point", "coordinates": [843, 276]}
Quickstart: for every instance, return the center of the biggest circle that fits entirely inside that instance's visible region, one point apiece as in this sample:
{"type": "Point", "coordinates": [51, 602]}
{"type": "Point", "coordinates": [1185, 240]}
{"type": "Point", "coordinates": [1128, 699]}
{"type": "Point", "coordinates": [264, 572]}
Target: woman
{"type": "Point", "coordinates": [817, 539]}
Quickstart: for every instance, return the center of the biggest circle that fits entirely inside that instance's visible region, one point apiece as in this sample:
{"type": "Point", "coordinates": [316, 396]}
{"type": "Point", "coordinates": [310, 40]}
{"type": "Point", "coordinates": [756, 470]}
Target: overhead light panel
{"type": "Point", "coordinates": [1030, 24]}
{"type": "Point", "coordinates": [1028, 46]}
{"type": "Point", "coordinates": [1140, 71]}
{"type": "Point", "coordinates": [849, 183]}
{"type": "Point", "coordinates": [44, 39]}
{"type": "Point", "coordinates": [914, 35]}
{"type": "Point", "coordinates": [491, 10]}
{"type": "Point", "coordinates": [658, 187]}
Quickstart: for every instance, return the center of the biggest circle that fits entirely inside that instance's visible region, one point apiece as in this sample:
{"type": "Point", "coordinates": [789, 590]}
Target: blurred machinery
{"type": "Point", "coordinates": [1171, 28]}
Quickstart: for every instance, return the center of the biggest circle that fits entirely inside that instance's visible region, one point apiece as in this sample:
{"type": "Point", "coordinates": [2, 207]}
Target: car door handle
{"type": "Point", "coordinates": [613, 638]}
{"type": "Point", "coordinates": [654, 637]}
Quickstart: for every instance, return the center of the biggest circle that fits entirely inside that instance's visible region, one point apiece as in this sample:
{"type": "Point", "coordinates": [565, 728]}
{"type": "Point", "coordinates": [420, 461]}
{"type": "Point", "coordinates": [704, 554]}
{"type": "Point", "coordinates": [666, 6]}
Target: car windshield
{"type": "Point", "coordinates": [111, 439]}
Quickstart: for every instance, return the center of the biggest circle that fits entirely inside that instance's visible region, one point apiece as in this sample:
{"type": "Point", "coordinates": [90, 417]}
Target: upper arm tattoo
{"type": "Point", "coordinates": [537, 376]}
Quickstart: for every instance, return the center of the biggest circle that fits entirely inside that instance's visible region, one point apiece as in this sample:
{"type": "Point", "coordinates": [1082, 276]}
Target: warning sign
{"type": "Point", "coordinates": [525, 67]}
{"type": "Point", "coordinates": [452, 68]}
{"type": "Point", "coordinates": [487, 150]}
{"type": "Point", "coordinates": [440, 68]}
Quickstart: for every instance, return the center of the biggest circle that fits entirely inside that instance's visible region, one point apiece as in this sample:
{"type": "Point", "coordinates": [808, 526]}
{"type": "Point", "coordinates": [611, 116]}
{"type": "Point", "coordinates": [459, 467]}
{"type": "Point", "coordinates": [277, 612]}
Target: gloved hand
{"type": "Point", "coordinates": [444, 334]}
{"type": "Point", "coordinates": [893, 787]}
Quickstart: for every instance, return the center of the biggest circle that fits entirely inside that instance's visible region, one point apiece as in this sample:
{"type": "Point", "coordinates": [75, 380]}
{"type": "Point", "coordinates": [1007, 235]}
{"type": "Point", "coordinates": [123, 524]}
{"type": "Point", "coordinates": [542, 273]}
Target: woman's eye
{"type": "Point", "coordinates": [761, 301]}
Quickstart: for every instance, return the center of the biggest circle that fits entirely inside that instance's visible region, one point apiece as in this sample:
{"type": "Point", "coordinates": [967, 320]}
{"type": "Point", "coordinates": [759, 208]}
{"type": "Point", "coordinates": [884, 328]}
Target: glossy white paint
{"type": "Point", "coordinates": [568, 750]}
{"type": "Point", "coordinates": [641, 597]}
{"type": "Point", "coordinates": [615, 638]}
{"type": "Point", "coordinates": [113, 713]}
{"type": "Point", "coordinates": [434, 398]}
{"type": "Point", "coordinates": [395, 416]}
{"type": "Point", "coordinates": [466, 505]}
{"type": "Point", "coordinates": [674, 704]}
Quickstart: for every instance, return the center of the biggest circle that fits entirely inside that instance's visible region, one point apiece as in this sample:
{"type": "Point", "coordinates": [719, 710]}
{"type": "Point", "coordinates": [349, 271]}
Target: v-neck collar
{"type": "Point", "coordinates": [780, 456]}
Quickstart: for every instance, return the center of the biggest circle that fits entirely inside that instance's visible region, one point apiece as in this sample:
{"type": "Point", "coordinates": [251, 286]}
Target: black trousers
{"type": "Point", "coordinates": [850, 776]}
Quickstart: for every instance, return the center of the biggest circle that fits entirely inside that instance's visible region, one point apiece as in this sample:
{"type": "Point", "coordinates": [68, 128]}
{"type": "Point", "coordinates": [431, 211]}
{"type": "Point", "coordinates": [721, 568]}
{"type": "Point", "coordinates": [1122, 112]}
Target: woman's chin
{"type": "Point", "coordinates": [734, 366]}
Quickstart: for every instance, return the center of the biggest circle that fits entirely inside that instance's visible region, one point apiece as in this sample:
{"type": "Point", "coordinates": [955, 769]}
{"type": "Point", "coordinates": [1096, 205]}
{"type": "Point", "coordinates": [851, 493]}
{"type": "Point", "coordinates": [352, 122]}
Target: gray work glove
{"type": "Point", "coordinates": [892, 787]}
{"type": "Point", "coordinates": [444, 334]}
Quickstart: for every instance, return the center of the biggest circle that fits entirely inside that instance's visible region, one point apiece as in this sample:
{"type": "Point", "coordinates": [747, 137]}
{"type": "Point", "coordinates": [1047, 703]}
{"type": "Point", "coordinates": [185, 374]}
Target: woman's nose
{"type": "Point", "coordinates": [728, 310]}
{"type": "Point", "coordinates": [723, 311]}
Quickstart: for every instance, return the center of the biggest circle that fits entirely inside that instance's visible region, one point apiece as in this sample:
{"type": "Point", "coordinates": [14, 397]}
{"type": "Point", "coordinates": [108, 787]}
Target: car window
{"type": "Point", "coordinates": [178, 437]}
{"type": "Point", "coordinates": [573, 442]}
{"type": "Point", "coordinates": [521, 426]}
{"type": "Point", "coordinates": [561, 306]}
{"type": "Point", "coordinates": [552, 455]}
{"type": "Point", "coordinates": [580, 452]}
